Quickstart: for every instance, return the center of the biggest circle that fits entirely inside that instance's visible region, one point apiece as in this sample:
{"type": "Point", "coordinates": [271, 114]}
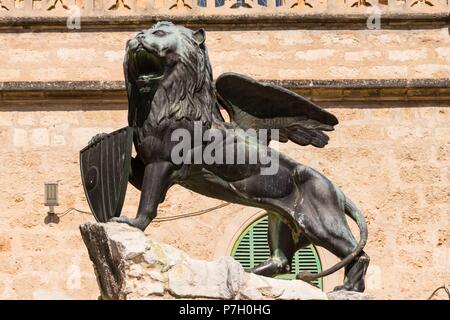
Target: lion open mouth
{"type": "Point", "coordinates": [149, 67]}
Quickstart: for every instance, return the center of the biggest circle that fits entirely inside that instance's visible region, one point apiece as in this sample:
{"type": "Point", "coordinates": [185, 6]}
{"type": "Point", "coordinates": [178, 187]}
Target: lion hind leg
{"type": "Point", "coordinates": [355, 272]}
{"type": "Point", "coordinates": [283, 244]}
{"type": "Point", "coordinates": [326, 226]}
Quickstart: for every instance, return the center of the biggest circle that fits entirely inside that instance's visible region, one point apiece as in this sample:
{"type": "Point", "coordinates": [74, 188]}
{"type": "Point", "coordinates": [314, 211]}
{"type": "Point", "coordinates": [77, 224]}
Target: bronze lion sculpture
{"type": "Point", "coordinates": [170, 87]}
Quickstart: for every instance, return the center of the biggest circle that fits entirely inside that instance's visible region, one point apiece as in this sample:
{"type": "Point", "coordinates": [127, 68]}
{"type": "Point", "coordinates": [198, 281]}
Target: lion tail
{"type": "Point", "coordinates": [353, 212]}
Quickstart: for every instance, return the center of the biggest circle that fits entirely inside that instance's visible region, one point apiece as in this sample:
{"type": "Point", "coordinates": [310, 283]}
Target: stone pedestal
{"type": "Point", "coordinates": [348, 295]}
{"type": "Point", "coordinates": [131, 265]}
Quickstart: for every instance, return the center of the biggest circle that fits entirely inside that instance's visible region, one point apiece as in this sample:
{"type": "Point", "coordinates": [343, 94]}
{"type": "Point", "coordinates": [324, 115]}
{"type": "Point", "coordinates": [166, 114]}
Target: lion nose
{"type": "Point", "coordinates": [149, 45]}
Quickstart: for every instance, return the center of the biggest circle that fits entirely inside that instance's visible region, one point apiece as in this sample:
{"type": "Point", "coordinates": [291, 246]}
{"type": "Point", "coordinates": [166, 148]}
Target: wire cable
{"type": "Point", "coordinates": [163, 219]}
{"type": "Point", "coordinates": [62, 214]}
{"type": "Point", "coordinates": [191, 214]}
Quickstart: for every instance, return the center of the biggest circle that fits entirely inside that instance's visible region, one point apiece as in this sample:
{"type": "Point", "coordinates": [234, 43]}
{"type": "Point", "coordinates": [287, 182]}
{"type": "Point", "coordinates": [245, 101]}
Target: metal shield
{"type": "Point", "coordinates": [105, 168]}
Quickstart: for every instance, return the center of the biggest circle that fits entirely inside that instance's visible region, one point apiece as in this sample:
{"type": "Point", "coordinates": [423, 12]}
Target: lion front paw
{"type": "Point", "coordinates": [136, 223]}
{"type": "Point", "coordinates": [97, 138]}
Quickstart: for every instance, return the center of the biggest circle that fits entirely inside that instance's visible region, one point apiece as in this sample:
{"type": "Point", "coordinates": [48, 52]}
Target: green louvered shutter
{"type": "Point", "coordinates": [252, 248]}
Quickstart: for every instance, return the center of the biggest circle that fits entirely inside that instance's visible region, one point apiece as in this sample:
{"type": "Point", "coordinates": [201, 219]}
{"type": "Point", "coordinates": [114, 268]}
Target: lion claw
{"type": "Point", "coordinates": [136, 223]}
{"type": "Point", "coordinates": [97, 138]}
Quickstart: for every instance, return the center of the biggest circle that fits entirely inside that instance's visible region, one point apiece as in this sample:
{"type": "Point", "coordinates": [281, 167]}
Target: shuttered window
{"type": "Point", "coordinates": [252, 248]}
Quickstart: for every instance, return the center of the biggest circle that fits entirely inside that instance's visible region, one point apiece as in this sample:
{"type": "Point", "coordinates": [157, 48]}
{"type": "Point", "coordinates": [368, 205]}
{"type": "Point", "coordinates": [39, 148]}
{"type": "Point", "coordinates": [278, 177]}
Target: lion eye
{"type": "Point", "coordinates": [159, 33]}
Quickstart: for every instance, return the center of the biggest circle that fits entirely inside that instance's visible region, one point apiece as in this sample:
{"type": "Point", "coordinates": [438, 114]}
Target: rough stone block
{"type": "Point", "coordinates": [58, 140]}
{"type": "Point", "coordinates": [5, 137]}
{"type": "Point", "coordinates": [6, 118]}
{"type": "Point", "coordinates": [348, 295]}
{"type": "Point", "coordinates": [361, 55]}
{"type": "Point", "coordinates": [343, 72]}
{"type": "Point", "coordinates": [130, 265]}
{"type": "Point", "coordinates": [407, 55]}
{"type": "Point", "coordinates": [313, 55]}
{"type": "Point", "coordinates": [443, 53]}
{"type": "Point", "coordinates": [40, 137]}
{"type": "Point", "coordinates": [20, 138]}
{"type": "Point", "coordinates": [389, 71]}
{"type": "Point", "coordinates": [432, 70]}
{"type": "Point", "coordinates": [26, 119]}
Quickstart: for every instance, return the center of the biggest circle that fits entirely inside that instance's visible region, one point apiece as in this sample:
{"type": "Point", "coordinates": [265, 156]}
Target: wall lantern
{"type": "Point", "coordinates": [51, 195]}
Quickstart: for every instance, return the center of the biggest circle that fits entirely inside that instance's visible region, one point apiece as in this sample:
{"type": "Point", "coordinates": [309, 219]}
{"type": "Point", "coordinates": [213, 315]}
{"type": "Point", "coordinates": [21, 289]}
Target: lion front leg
{"type": "Point", "coordinates": [137, 171]}
{"type": "Point", "coordinates": [155, 183]}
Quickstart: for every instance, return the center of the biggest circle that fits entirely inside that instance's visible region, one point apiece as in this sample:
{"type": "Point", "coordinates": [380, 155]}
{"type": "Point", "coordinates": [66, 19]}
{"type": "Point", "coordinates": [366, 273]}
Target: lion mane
{"type": "Point", "coordinates": [186, 90]}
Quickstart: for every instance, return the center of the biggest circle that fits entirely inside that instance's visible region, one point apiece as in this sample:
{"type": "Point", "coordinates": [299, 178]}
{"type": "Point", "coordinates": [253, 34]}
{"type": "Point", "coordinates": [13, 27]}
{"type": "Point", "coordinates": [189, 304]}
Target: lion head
{"type": "Point", "coordinates": [168, 76]}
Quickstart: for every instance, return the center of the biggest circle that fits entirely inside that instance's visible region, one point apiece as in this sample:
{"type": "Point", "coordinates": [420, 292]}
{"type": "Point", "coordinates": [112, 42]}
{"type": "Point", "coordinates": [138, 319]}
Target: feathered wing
{"type": "Point", "coordinates": [252, 104]}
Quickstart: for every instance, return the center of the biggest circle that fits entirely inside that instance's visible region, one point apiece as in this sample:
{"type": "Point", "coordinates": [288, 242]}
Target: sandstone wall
{"type": "Point", "coordinates": [267, 54]}
{"type": "Point", "coordinates": [392, 159]}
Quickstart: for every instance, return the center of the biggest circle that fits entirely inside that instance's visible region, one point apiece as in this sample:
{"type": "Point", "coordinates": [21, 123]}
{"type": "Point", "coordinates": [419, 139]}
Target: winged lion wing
{"type": "Point", "coordinates": [252, 104]}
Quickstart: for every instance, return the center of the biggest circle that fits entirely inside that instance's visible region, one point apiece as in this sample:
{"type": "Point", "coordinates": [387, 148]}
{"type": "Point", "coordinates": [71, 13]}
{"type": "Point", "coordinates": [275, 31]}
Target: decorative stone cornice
{"type": "Point", "coordinates": [47, 15]}
{"type": "Point", "coordinates": [227, 22]}
{"type": "Point", "coordinates": [102, 92]}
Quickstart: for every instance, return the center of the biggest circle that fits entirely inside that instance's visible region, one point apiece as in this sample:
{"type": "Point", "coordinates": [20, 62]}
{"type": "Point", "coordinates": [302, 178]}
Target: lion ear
{"type": "Point", "coordinates": [200, 36]}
